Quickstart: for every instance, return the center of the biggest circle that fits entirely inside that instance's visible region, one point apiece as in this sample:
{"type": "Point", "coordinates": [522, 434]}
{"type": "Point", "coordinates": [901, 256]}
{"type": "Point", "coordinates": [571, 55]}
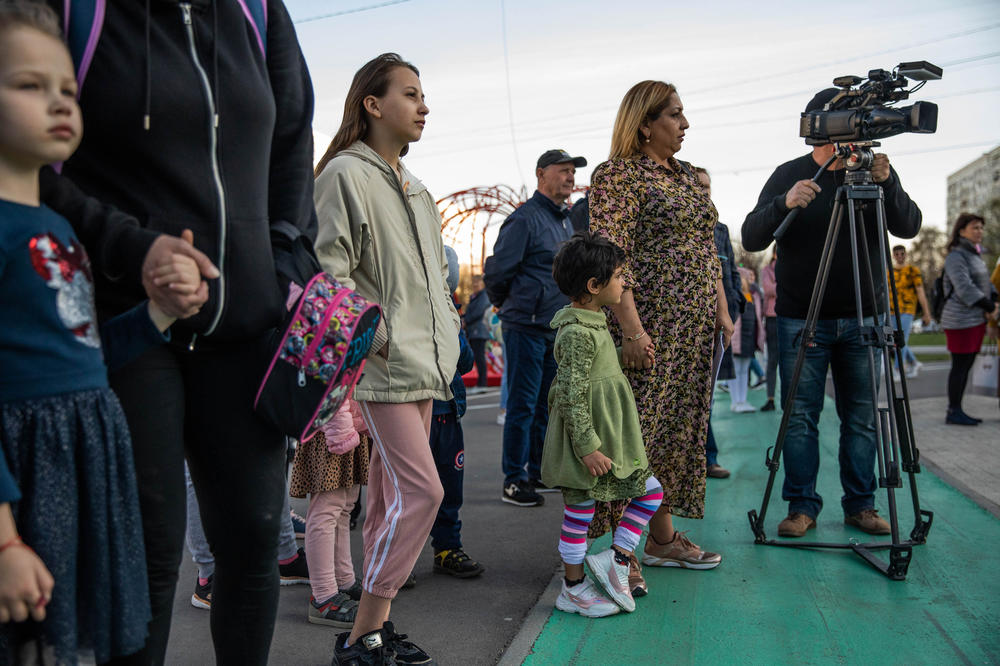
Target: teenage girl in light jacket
{"type": "Point", "coordinates": [380, 233]}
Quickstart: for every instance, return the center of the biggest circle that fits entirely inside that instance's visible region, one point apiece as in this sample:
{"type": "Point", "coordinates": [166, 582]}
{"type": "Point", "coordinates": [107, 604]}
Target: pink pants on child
{"type": "Point", "coordinates": [328, 541]}
{"type": "Point", "coordinates": [404, 493]}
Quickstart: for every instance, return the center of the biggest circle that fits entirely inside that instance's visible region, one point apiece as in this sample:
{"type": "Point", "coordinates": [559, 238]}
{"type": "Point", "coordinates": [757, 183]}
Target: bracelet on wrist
{"type": "Point", "coordinates": [637, 336]}
{"type": "Point", "coordinates": [16, 541]}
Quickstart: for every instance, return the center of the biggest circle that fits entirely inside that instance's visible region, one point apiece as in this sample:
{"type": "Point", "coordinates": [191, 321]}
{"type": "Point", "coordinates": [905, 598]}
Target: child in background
{"type": "Point", "coordinates": [71, 557]}
{"type": "Point", "coordinates": [331, 468]}
{"type": "Point", "coordinates": [593, 447]}
{"type": "Point", "coordinates": [448, 447]}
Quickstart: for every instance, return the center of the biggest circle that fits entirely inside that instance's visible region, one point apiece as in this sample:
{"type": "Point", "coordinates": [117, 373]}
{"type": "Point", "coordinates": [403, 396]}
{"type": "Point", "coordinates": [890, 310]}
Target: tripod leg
{"type": "Point", "coordinates": [883, 450]}
{"type": "Point", "coordinates": [808, 335]}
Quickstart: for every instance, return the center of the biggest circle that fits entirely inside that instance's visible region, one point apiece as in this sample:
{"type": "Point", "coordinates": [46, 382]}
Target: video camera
{"type": "Point", "coordinates": [861, 111]}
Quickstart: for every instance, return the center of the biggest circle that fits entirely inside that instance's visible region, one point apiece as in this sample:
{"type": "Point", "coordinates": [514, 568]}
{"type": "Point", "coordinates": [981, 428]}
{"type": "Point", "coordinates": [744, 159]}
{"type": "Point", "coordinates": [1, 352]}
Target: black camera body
{"type": "Point", "coordinates": [863, 111]}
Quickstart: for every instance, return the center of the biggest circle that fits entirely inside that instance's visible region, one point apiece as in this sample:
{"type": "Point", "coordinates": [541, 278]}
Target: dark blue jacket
{"type": "Point", "coordinates": [475, 327]}
{"type": "Point", "coordinates": [730, 273]}
{"type": "Point", "coordinates": [465, 362]}
{"type": "Point", "coordinates": [519, 274]}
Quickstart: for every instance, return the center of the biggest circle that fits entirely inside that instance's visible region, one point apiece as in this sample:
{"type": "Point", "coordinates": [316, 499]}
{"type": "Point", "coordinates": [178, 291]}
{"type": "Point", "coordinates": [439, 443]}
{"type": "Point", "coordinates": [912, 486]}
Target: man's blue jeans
{"type": "Point", "coordinates": [907, 322]}
{"type": "Point", "coordinates": [530, 371]}
{"type": "Point", "coordinates": [838, 346]}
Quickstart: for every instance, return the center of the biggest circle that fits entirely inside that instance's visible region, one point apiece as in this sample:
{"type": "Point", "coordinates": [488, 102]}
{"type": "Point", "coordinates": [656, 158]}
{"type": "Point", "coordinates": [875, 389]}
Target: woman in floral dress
{"type": "Point", "coordinates": [650, 204]}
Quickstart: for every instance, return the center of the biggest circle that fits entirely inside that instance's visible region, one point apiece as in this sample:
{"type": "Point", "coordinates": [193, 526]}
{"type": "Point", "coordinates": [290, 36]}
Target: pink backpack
{"type": "Point", "coordinates": [319, 352]}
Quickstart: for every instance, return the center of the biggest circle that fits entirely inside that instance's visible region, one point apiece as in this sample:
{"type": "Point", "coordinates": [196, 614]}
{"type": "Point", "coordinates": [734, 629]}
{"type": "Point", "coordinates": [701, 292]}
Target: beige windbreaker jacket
{"type": "Point", "coordinates": [382, 238]}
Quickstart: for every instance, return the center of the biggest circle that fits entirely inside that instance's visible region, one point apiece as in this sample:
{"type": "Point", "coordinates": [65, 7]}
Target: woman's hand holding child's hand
{"type": "Point", "coordinates": [598, 463]}
{"type": "Point", "coordinates": [180, 275]}
{"type": "Point", "coordinates": [25, 585]}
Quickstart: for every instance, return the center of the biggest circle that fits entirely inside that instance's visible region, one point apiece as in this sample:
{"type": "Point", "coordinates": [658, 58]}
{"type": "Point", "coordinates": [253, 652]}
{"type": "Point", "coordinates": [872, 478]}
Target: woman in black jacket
{"type": "Point", "coordinates": [198, 116]}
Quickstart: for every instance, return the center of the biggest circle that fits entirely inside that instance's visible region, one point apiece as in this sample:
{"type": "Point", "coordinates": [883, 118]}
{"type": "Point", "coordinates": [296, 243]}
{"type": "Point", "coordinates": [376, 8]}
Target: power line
{"type": "Point", "coordinates": [510, 101]}
{"type": "Point", "coordinates": [356, 10]}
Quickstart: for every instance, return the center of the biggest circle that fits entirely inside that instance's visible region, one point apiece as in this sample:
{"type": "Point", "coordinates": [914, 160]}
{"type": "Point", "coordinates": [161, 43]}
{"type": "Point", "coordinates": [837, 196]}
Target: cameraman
{"type": "Point", "coordinates": [838, 344]}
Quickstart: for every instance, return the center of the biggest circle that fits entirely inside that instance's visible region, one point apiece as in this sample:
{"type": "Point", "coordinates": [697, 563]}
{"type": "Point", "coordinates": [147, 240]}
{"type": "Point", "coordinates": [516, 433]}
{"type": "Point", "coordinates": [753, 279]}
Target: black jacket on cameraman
{"type": "Point", "coordinates": [518, 275]}
{"type": "Point", "coordinates": [125, 184]}
{"type": "Point", "coordinates": [802, 245]}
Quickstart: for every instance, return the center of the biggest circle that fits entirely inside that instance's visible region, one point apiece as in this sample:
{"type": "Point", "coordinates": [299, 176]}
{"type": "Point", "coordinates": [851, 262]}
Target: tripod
{"type": "Point", "coordinates": [894, 443]}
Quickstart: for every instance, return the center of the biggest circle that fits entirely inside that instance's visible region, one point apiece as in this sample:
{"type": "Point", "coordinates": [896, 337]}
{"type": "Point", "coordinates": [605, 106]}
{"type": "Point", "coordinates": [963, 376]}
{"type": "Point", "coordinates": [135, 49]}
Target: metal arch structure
{"type": "Point", "coordinates": [467, 214]}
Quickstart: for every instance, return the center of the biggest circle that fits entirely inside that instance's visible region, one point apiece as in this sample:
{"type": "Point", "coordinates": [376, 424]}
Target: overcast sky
{"type": "Point", "coordinates": [744, 71]}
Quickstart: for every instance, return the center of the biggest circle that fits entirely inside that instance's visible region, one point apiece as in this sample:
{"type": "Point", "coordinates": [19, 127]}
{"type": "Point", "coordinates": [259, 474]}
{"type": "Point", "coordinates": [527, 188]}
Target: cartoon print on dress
{"type": "Point", "coordinates": [67, 270]}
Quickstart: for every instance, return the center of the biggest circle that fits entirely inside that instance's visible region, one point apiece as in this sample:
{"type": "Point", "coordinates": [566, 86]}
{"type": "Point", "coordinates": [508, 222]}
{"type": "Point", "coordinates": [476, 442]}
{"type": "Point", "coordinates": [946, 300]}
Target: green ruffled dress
{"type": "Point", "coordinates": [591, 407]}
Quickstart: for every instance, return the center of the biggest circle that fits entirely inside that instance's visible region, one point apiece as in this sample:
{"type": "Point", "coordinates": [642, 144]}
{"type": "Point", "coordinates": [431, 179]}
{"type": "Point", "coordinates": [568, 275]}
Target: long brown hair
{"type": "Point", "coordinates": [964, 220]}
{"type": "Point", "coordinates": [372, 79]}
{"type": "Point", "coordinates": [642, 103]}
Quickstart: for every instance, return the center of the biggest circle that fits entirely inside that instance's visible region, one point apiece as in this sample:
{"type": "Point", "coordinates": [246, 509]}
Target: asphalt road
{"type": "Point", "coordinates": [459, 622]}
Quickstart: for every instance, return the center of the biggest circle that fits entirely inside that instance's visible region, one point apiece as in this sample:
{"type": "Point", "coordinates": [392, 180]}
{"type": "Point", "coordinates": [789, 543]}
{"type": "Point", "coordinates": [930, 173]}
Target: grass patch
{"type": "Point", "coordinates": [924, 339]}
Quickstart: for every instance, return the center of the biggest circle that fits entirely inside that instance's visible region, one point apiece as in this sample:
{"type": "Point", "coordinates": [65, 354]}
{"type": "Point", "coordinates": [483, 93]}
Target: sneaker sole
{"type": "Point", "coordinates": [330, 623]}
{"type": "Point", "coordinates": [459, 574]}
{"type": "Point", "coordinates": [198, 602]}
{"type": "Point", "coordinates": [294, 581]}
{"type": "Point", "coordinates": [626, 603]}
{"type": "Point", "coordinates": [516, 503]}
{"type": "Point", "coordinates": [585, 612]}
{"type": "Point", "coordinates": [652, 561]}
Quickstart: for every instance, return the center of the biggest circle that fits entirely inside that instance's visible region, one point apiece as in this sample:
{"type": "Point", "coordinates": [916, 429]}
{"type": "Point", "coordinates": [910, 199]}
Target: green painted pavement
{"type": "Point", "coordinates": [769, 605]}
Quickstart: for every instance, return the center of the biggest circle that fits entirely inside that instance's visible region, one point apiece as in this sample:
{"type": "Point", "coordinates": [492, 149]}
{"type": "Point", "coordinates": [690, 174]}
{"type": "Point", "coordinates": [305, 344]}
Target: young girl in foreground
{"type": "Point", "coordinates": [72, 565]}
{"type": "Point", "coordinates": [593, 447]}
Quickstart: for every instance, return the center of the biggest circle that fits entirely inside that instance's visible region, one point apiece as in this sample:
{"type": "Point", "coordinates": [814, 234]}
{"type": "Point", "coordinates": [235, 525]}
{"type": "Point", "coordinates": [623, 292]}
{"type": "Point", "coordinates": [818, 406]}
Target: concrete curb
{"type": "Point", "coordinates": [534, 622]}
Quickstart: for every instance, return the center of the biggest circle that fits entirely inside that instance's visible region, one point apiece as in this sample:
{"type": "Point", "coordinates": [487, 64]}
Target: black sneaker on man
{"type": "Point", "coordinates": [371, 649]}
{"type": "Point", "coordinates": [202, 597]}
{"type": "Point", "coordinates": [295, 572]}
{"type": "Point", "coordinates": [521, 493]}
{"type": "Point", "coordinates": [403, 650]}
{"type": "Point", "coordinates": [455, 562]}
{"type": "Point", "coordinates": [768, 406]}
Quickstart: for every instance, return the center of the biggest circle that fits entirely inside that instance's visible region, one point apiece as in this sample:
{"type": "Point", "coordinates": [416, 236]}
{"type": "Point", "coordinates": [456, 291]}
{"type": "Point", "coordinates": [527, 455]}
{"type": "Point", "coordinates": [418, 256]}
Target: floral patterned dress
{"type": "Point", "coordinates": [664, 221]}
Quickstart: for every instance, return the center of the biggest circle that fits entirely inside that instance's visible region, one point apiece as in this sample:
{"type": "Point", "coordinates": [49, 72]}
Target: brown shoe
{"type": "Point", "coordinates": [678, 552]}
{"type": "Point", "coordinates": [868, 521]}
{"type": "Point", "coordinates": [636, 582]}
{"type": "Point", "coordinates": [795, 525]}
{"type": "Point", "coordinates": [718, 472]}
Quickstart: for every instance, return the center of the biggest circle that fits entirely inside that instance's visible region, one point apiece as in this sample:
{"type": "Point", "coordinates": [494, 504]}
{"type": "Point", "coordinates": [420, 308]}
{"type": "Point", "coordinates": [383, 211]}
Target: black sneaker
{"type": "Point", "coordinates": [295, 572]}
{"type": "Point", "coordinates": [337, 611]}
{"type": "Point", "coordinates": [540, 487]}
{"type": "Point", "coordinates": [372, 649]}
{"type": "Point", "coordinates": [768, 406]}
{"type": "Point", "coordinates": [455, 562]}
{"type": "Point", "coordinates": [404, 651]}
{"type": "Point", "coordinates": [202, 597]}
{"type": "Point", "coordinates": [521, 493]}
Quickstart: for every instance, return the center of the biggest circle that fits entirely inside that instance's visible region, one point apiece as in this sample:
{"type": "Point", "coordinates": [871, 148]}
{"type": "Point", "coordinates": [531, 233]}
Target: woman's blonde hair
{"type": "Point", "coordinates": [642, 103]}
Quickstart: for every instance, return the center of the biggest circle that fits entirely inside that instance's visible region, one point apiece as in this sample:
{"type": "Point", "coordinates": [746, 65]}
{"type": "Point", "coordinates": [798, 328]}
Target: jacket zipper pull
{"type": "Point", "coordinates": [302, 377]}
{"type": "Point", "coordinates": [194, 336]}
{"type": "Point", "coordinates": [186, 11]}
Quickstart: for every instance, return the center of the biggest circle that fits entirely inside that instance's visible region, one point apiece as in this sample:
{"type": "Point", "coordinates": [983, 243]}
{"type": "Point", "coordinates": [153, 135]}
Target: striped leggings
{"type": "Point", "coordinates": [577, 517]}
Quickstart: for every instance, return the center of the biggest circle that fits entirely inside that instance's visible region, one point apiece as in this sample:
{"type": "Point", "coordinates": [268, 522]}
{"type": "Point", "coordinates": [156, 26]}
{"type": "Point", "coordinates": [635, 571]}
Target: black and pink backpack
{"type": "Point", "coordinates": [319, 352]}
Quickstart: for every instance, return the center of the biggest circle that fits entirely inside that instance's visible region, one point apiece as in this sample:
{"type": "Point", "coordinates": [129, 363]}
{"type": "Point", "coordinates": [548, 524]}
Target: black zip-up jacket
{"type": "Point", "coordinates": [126, 184]}
{"type": "Point", "coordinates": [802, 246]}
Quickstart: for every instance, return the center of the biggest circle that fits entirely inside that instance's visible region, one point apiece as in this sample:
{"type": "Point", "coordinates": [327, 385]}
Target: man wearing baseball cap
{"type": "Point", "coordinates": [519, 281]}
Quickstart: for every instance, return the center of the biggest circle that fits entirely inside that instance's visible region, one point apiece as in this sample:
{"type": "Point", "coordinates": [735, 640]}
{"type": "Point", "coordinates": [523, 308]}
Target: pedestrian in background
{"type": "Point", "coordinates": [519, 281]}
{"type": "Point", "coordinates": [910, 293]}
{"type": "Point", "coordinates": [970, 300]}
{"type": "Point", "coordinates": [769, 285]}
{"type": "Point", "coordinates": [476, 331]}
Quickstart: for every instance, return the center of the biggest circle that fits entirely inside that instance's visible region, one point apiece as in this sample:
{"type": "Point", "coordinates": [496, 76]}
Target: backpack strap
{"type": "Point", "coordinates": [256, 13]}
{"type": "Point", "coordinates": [686, 168]}
{"type": "Point", "coordinates": [83, 21]}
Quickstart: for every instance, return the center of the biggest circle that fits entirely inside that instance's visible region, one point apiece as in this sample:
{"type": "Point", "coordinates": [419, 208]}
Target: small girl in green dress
{"type": "Point", "coordinates": [593, 447]}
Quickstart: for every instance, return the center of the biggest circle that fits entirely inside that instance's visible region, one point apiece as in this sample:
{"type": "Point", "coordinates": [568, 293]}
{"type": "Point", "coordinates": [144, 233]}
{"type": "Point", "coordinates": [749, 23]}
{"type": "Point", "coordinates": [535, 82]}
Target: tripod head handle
{"type": "Point", "coordinates": [783, 227]}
